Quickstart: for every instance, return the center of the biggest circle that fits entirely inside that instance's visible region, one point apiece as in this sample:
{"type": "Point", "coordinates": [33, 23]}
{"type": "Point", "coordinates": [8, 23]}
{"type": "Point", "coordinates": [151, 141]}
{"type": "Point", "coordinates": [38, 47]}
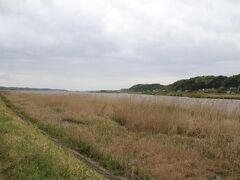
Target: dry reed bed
{"type": "Point", "coordinates": [163, 137]}
{"type": "Point", "coordinates": [155, 116]}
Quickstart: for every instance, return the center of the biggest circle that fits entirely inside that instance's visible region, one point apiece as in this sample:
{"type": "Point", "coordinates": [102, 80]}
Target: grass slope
{"type": "Point", "coordinates": [25, 153]}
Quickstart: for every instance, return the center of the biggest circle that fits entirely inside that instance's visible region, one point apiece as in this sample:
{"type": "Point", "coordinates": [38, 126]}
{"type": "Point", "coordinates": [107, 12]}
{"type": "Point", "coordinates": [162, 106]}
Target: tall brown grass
{"type": "Point", "coordinates": [157, 133]}
{"type": "Point", "coordinates": [161, 117]}
{"type": "Point", "coordinates": [156, 116]}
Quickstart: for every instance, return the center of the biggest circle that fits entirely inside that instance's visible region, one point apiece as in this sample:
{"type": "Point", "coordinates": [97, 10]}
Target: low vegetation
{"type": "Point", "coordinates": [197, 94]}
{"type": "Point", "coordinates": [25, 153]}
{"type": "Point", "coordinates": [141, 137]}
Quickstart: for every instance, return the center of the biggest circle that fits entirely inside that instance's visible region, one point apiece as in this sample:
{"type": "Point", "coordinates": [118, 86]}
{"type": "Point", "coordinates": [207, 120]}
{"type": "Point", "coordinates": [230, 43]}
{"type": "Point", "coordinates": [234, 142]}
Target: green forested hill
{"type": "Point", "coordinates": [146, 87]}
{"type": "Point", "coordinates": [196, 83]}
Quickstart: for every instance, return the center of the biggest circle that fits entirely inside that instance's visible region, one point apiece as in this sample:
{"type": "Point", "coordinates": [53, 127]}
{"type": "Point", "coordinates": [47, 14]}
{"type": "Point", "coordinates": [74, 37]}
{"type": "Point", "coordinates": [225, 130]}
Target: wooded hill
{"type": "Point", "coordinates": [194, 84]}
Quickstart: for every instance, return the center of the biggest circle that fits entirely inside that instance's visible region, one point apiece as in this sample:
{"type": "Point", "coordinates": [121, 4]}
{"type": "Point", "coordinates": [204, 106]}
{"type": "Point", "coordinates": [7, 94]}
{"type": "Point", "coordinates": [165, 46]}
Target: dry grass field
{"type": "Point", "coordinates": [137, 137]}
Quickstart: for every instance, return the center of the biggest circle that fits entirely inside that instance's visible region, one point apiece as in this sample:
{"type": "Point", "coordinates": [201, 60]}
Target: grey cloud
{"type": "Point", "coordinates": [104, 41]}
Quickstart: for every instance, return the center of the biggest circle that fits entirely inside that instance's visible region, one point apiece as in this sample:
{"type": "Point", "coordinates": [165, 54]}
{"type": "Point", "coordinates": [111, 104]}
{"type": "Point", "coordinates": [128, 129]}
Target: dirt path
{"type": "Point", "coordinates": [90, 163]}
{"type": "Point", "coordinates": [78, 155]}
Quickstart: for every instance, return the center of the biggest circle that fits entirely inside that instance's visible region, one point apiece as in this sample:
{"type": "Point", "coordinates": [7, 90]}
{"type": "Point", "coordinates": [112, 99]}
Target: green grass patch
{"type": "Point", "coordinates": [53, 130]}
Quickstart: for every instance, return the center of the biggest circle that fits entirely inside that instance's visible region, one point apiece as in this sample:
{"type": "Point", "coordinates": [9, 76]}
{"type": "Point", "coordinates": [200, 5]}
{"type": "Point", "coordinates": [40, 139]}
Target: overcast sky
{"type": "Point", "coordinates": [113, 44]}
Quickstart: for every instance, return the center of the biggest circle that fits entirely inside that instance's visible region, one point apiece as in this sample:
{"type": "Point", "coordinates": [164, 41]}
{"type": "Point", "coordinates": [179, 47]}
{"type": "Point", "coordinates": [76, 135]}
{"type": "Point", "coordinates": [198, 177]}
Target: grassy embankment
{"type": "Point", "coordinates": [131, 137]}
{"type": "Point", "coordinates": [25, 153]}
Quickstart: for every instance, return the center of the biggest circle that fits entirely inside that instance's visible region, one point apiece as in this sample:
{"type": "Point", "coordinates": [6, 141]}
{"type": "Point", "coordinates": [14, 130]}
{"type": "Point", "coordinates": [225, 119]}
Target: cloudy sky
{"type": "Point", "coordinates": [112, 44]}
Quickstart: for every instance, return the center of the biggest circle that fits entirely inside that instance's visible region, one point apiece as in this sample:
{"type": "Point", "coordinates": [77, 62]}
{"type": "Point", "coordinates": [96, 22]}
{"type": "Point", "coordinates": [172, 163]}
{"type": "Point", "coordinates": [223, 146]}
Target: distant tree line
{"type": "Point", "coordinates": [2, 88]}
{"type": "Point", "coordinates": [193, 84]}
{"type": "Point", "coordinates": [146, 87]}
